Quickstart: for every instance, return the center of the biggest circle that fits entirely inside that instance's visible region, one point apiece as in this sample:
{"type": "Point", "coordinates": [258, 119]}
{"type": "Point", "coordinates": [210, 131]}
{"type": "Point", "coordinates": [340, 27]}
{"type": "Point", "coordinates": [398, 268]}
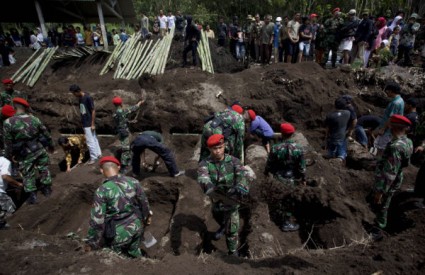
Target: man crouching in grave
{"type": "Point", "coordinates": [287, 163]}
{"type": "Point", "coordinates": [224, 179]}
{"type": "Point", "coordinates": [119, 213]}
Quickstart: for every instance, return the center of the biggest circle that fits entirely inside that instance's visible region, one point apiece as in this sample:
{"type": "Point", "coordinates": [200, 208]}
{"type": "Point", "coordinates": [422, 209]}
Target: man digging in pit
{"type": "Point", "coordinates": [287, 163]}
{"type": "Point", "coordinates": [121, 116]}
{"type": "Point", "coordinates": [119, 213]}
{"type": "Point", "coordinates": [25, 137]}
{"type": "Point", "coordinates": [225, 180]}
{"type": "Point", "coordinates": [389, 171]}
{"type": "Point", "coordinates": [71, 144]}
{"type": "Point", "coordinates": [231, 124]}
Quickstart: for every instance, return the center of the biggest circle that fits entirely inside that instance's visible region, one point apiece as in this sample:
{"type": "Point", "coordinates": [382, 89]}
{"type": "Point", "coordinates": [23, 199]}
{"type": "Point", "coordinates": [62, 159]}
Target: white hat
{"type": "Point", "coordinates": [279, 19]}
{"type": "Point", "coordinates": [352, 12]}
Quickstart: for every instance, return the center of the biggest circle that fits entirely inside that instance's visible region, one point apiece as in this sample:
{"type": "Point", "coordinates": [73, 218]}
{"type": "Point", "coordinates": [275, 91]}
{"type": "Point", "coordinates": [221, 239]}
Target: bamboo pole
{"type": "Point", "coordinates": [140, 60]}
{"type": "Point", "coordinates": [148, 59]}
{"type": "Point", "coordinates": [43, 66]}
{"type": "Point", "coordinates": [36, 63]}
{"type": "Point", "coordinates": [25, 64]}
{"type": "Point", "coordinates": [111, 59]}
{"type": "Point", "coordinates": [134, 55]}
{"type": "Point", "coordinates": [170, 41]}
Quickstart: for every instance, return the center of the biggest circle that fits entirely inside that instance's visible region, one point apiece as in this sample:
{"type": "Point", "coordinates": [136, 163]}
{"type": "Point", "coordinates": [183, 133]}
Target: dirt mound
{"type": "Point", "coordinates": [331, 210]}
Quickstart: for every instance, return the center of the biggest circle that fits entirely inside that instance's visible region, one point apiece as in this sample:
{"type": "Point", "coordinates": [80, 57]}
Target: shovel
{"type": "Point", "coordinates": [149, 239]}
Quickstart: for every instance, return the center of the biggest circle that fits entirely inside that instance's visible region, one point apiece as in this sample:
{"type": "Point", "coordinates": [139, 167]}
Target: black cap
{"type": "Point", "coordinates": [412, 102]}
{"type": "Point", "coordinates": [340, 103]}
{"type": "Point", "coordinates": [393, 87]}
{"type": "Point", "coordinates": [74, 88]}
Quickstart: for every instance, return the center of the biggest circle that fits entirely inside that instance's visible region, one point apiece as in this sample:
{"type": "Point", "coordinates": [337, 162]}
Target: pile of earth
{"type": "Point", "coordinates": [331, 209]}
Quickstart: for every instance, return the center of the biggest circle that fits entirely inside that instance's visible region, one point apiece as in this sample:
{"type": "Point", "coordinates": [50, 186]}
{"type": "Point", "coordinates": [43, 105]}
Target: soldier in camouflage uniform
{"type": "Point", "coordinates": [119, 213]}
{"type": "Point", "coordinates": [389, 171]}
{"type": "Point", "coordinates": [7, 206]}
{"type": "Point", "coordinates": [286, 162]}
{"type": "Point", "coordinates": [229, 123]}
{"type": "Point", "coordinates": [9, 93]}
{"type": "Point", "coordinates": [6, 112]}
{"type": "Point", "coordinates": [223, 174]}
{"type": "Point", "coordinates": [256, 38]}
{"type": "Point", "coordinates": [332, 27]}
{"type": "Point", "coordinates": [420, 148]}
{"type": "Point", "coordinates": [24, 140]}
{"type": "Point", "coordinates": [121, 116]}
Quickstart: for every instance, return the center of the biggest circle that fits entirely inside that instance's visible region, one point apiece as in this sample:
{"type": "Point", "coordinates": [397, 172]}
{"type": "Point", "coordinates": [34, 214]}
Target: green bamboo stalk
{"type": "Point", "coordinates": [36, 63]}
{"type": "Point", "coordinates": [25, 64]}
{"type": "Point", "coordinates": [140, 60]}
{"type": "Point", "coordinates": [43, 66]}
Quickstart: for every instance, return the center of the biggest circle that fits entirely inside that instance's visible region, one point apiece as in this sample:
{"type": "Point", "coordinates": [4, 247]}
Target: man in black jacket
{"type": "Point", "coordinates": [193, 35]}
{"type": "Point", "coordinates": [362, 36]}
{"type": "Point", "coordinates": [347, 33]}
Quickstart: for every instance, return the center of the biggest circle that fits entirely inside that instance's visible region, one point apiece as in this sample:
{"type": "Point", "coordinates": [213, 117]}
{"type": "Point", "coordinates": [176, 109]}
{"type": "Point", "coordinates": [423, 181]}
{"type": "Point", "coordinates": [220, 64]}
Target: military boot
{"type": "Point", "coordinates": [47, 190]}
{"type": "Point", "coordinates": [4, 225]}
{"type": "Point", "coordinates": [233, 253]}
{"type": "Point", "coordinates": [32, 199]}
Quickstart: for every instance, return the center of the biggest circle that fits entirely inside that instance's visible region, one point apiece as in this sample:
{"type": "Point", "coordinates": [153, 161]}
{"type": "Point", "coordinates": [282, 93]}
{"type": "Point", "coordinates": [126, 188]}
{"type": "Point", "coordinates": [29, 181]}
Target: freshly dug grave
{"type": "Point", "coordinates": [331, 210]}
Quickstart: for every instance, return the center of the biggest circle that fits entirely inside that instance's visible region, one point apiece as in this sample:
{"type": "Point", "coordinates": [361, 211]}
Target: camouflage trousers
{"type": "Point", "coordinates": [228, 218]}
{"type": "Point", "coordinates": [125, 151]}
{"type": "Point", "coordinates": [381, 211]}
{"type": "Point", "coordinates": [6, 206]}
{"type": "Point", "coordinates": [38, 161]}
{"type": "Point", "coordinates": [128, 238]}
{"type": "Point", "coordinates": [285, 207]}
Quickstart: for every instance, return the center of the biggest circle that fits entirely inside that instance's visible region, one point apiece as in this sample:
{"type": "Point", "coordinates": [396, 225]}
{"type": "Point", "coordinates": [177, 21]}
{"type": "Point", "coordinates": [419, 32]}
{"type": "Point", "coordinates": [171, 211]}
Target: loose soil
{"type": "Point", "coordinates": [332, 210]}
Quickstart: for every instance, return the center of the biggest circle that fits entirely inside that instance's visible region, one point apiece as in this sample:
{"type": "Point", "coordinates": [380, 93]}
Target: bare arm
{"type": "Point", "coordinates": [12, 181]}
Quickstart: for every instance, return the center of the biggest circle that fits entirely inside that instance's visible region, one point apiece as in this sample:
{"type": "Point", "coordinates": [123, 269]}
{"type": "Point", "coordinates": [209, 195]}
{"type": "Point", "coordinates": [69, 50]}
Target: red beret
{"type": "Point", "coordinates": [313, 15]}
{"type": "Point", "coordinates": [399, 119]}
{"type": "Point", "coordinates": [117, 100]}
{"type": "Point", "coordinates": [252, 114]}
{"type": "Point", "coordinates": [336, 10]}
{"type": "Point", "coordinates": [7, 81]}
{"type": "Point", "coordinates": [238, 109]}
{"type": "Point", "coordinates": [215, 140]}
{"type": "Point", "coordinates": [109, 159]}
{"type": "Point", "coordinates": [8, 111]}
{"type": "Point", "coordinates": [287, 128]}
{"type": "Point", "coordinates": [20, 100]}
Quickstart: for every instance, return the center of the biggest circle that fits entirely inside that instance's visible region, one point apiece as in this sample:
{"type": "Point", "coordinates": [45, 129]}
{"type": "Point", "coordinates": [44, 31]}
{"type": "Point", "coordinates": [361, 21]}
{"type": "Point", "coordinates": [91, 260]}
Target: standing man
{"type": "Point", "coordinates": [389, 171]}
{"type": "Point", "coordinates": [9, 93]}
{"type": "Point", "coordinates": [292, 30]}
{"type": "Point", "coordinates": [222, 32]}
{"type": "Point", "coordinates": [192, 37]}
{"type": "Point", "coordinates": [229, 123]}
{"type": "Point", "coordinates": [7, 206]}
{"type": "Point", "coordinates": [276, 40]}
{"type": "Point", "coordinates": [258, 24]}
{"type": "Point", "coordinates": [24, 140]}
{"type": "Point", "coordinates": [180, 23]}
{"type": "Point", "coordinates": [267, 35]}
{"type": "Point", "coordinates": [119, 213]}
{"type": "Point", "coordinates": [171, 19]}
{"type": "Point", "coordinates": [407, 39]}
{"type": "Point", "coordinates": [121, 116]}
{"type": "Point", "coordinates": [395, 107]}
{"type": "Point", "coordinates": [287, 163]}
{"type": "Point", "coordinates": [332, 30]}
{"type": "Point", "coordinates": [260, 127]}
{"type": "Point", "coordinates": [362, 37]}
{"type": "Point", "coordinates": [233, 35]}
{"type": "Point", "coordinates": [144, 25]}
{"type": "Point", "coordinates": [153, 141]}
{"type": "Point", "coordinates": [163, 23]}
{"type": "Point", "coordinates": [223, 174]}
{"type": "Point", "coordinates": [306, 34]}
{"type": "Point", "coordinates": [88, 115]}
{"type": "Point", "coordinates": [347, 33]}
{"type": "Point", "coordinates": [315, 28]}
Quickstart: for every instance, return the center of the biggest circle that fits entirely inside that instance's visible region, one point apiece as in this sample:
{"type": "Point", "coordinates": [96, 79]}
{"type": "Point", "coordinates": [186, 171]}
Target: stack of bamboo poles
{"type": "Point", "coordinates": [135, 57]}
{"type": "Point", "coordinates": [205, 54]}
{"type": "Point", "coordinates": [30, 74]}
{"type": "Point", "coordinates": [75, 53]}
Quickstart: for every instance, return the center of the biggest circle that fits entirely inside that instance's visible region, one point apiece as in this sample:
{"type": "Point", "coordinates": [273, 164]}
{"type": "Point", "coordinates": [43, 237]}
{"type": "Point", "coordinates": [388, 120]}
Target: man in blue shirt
{"type": "Point", "coordinates": [260, 128]}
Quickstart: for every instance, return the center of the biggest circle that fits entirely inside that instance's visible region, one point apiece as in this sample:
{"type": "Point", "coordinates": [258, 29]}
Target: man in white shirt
{"type": "Point", "coordinates": [294, 37]}
{"type": "Point", "coordinates": [40, 37]}
{"type": "Point", "coordinates": [7, 206]}
{"type": "Point", "coordinates": [163, 23]}
{"type": "Point", "coordinates": [171, 20]}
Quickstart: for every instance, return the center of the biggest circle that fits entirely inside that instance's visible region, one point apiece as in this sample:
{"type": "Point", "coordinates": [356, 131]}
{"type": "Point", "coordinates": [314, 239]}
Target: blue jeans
{"type": "Point", "coordinates": [337, 149]}
{"type": "Point", "coordinates": [240, 50]}
{"type": "Point", "coordinates": [361, 136]}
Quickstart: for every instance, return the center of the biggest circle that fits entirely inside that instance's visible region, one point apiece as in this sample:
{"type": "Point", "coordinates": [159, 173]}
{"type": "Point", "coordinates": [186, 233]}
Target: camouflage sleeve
{"type": "Point", "coordinates": [43, 131]}
{"type": "Point", "coordinates": [301, 165]}
{"type": "Point", "coordinates": [387, 171]}
{"type": "Point", "coordinates": [204, 178]}
{"type": "Point", "coordinates": [7, 139]}
{"type": "Point", "coordinates": [97, 218]}
{"type": "Point", "coordinates": [240, 176]}
{"type": "Point", "coordinates": [239, 144]}
{"type": "Point", "coordinates": [131, 110]}
{"type": "Point", "coordinates": [142, 199]}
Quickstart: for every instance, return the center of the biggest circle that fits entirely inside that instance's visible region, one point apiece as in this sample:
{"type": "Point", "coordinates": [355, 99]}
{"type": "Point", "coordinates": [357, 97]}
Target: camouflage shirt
{"type": "Point", "coordinates": [286, 161]}
{"type": "Point", "coordinates": [233, 129]}
{"type": "Point", "coordinates": [121, 117]}
{"type": "Point", "coordinates": [332, 25]}
{"type": "Point", "coordinates": [389, 171]}
{"type": "Point", "coordinates": [7, 97]}
{"type": "Point", "coordinates": [114, 200]}
{"type": "Point", "coordinates": [223, 174]}
{"type": "Point", "coordinates": [23, 128]}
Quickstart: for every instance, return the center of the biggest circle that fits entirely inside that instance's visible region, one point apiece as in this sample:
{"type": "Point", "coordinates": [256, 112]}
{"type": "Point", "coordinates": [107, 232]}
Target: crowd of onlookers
{"type": "Point", "coordinates": [347, 38]}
